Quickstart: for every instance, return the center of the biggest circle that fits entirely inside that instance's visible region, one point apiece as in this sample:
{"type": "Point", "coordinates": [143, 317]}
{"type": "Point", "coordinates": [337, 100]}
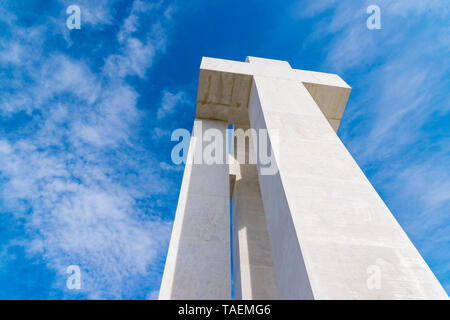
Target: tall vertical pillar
{"type": "Point", "coordinates": [332, 235]}
{"type": "Point", "coordinates": [254, 276]}
{"type": "Point", "coordinates": [198, 260]}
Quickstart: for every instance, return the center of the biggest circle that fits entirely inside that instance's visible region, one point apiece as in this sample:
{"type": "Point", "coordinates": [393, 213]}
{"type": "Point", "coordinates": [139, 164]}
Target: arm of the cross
{"type": "Point", "coordinates": [225, 85]}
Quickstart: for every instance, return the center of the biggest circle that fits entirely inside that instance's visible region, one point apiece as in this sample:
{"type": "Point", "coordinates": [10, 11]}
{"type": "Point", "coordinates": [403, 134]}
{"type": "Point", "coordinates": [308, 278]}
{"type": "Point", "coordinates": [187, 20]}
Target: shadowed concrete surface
{"type": "Point", "coordinates": [252, 256]}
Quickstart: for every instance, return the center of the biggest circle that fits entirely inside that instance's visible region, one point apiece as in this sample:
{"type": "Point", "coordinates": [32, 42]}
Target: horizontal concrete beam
{"type": "Point", "coordinates": [224, 88]}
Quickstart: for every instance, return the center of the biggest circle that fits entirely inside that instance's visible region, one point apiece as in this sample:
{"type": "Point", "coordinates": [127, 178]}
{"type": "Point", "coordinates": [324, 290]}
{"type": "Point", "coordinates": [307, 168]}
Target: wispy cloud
{"type": "Point", "coordinates": [136, 55]}
{"type": "Point", "coordinates": [169, 102]}
{"type": "Point", "coordinates": [94, 13]}
{"type": "Point", "coordinates": [74, 172]}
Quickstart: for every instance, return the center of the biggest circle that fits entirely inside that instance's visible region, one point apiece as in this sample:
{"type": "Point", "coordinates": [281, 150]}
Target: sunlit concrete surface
{"type": "Point", "coordinates": [198, 261]}
{"type": "Point", "coordinates": [327, 230]}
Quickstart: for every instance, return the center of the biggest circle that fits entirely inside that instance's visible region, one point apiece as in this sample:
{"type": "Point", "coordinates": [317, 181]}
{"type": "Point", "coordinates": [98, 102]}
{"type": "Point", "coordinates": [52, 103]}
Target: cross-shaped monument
{"type": "Point", "coordinates": [313, 229]}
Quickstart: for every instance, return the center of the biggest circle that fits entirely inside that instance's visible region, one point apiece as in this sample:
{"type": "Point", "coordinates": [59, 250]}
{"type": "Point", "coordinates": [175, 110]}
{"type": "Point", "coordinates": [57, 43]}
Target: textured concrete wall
{"type": "Point", "coordinates": [290, 271]}
{"type": "Point", "coordinates": [328, 227]}
{"type": "Point", "coordinates": [198, 264]}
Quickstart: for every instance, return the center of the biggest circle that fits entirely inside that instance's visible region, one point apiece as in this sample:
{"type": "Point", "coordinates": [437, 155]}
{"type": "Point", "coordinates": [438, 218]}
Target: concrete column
{"type": "Point", "coordinates": [254, 277]}
{"type": "Point", "coordinates": [198, 260]}
{"type": "Point", "coordinates": [332, 236]}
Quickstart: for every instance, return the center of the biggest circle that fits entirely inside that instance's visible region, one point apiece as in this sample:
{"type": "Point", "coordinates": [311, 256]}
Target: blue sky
{"type": "Point", "coordinates": [86, 117]}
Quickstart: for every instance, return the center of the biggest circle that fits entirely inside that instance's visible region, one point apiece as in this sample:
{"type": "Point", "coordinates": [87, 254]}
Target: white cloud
{"type": "Point", "coordinates": [134, 59]}
{"type": "Point", "coordinates": [136, 56]}
{"type": "Point", "coordinates": [133, 21]}
{"type": "Point", "coordinates": [84, 216]}
{"type": "Point", "coordinates": [312, 8]}
{"type": "Point", "coordinates": [5, 147]}
{"type": "Point", "coordinates": [352, 43]}
{"type": "Point", "coordinates": [77, 175]}
{"type": "Point", "coordinates": [94, 13]}
{"type": "Point", "coordinates": [159, 133]}
{"type": "Point", "coordinates": [169, 102]}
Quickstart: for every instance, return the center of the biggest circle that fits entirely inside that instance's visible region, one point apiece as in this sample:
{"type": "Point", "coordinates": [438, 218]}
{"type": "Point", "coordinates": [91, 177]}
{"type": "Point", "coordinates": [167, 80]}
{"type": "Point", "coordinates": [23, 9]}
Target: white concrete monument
{"type": "Point", "coordinates": [315, 228]}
